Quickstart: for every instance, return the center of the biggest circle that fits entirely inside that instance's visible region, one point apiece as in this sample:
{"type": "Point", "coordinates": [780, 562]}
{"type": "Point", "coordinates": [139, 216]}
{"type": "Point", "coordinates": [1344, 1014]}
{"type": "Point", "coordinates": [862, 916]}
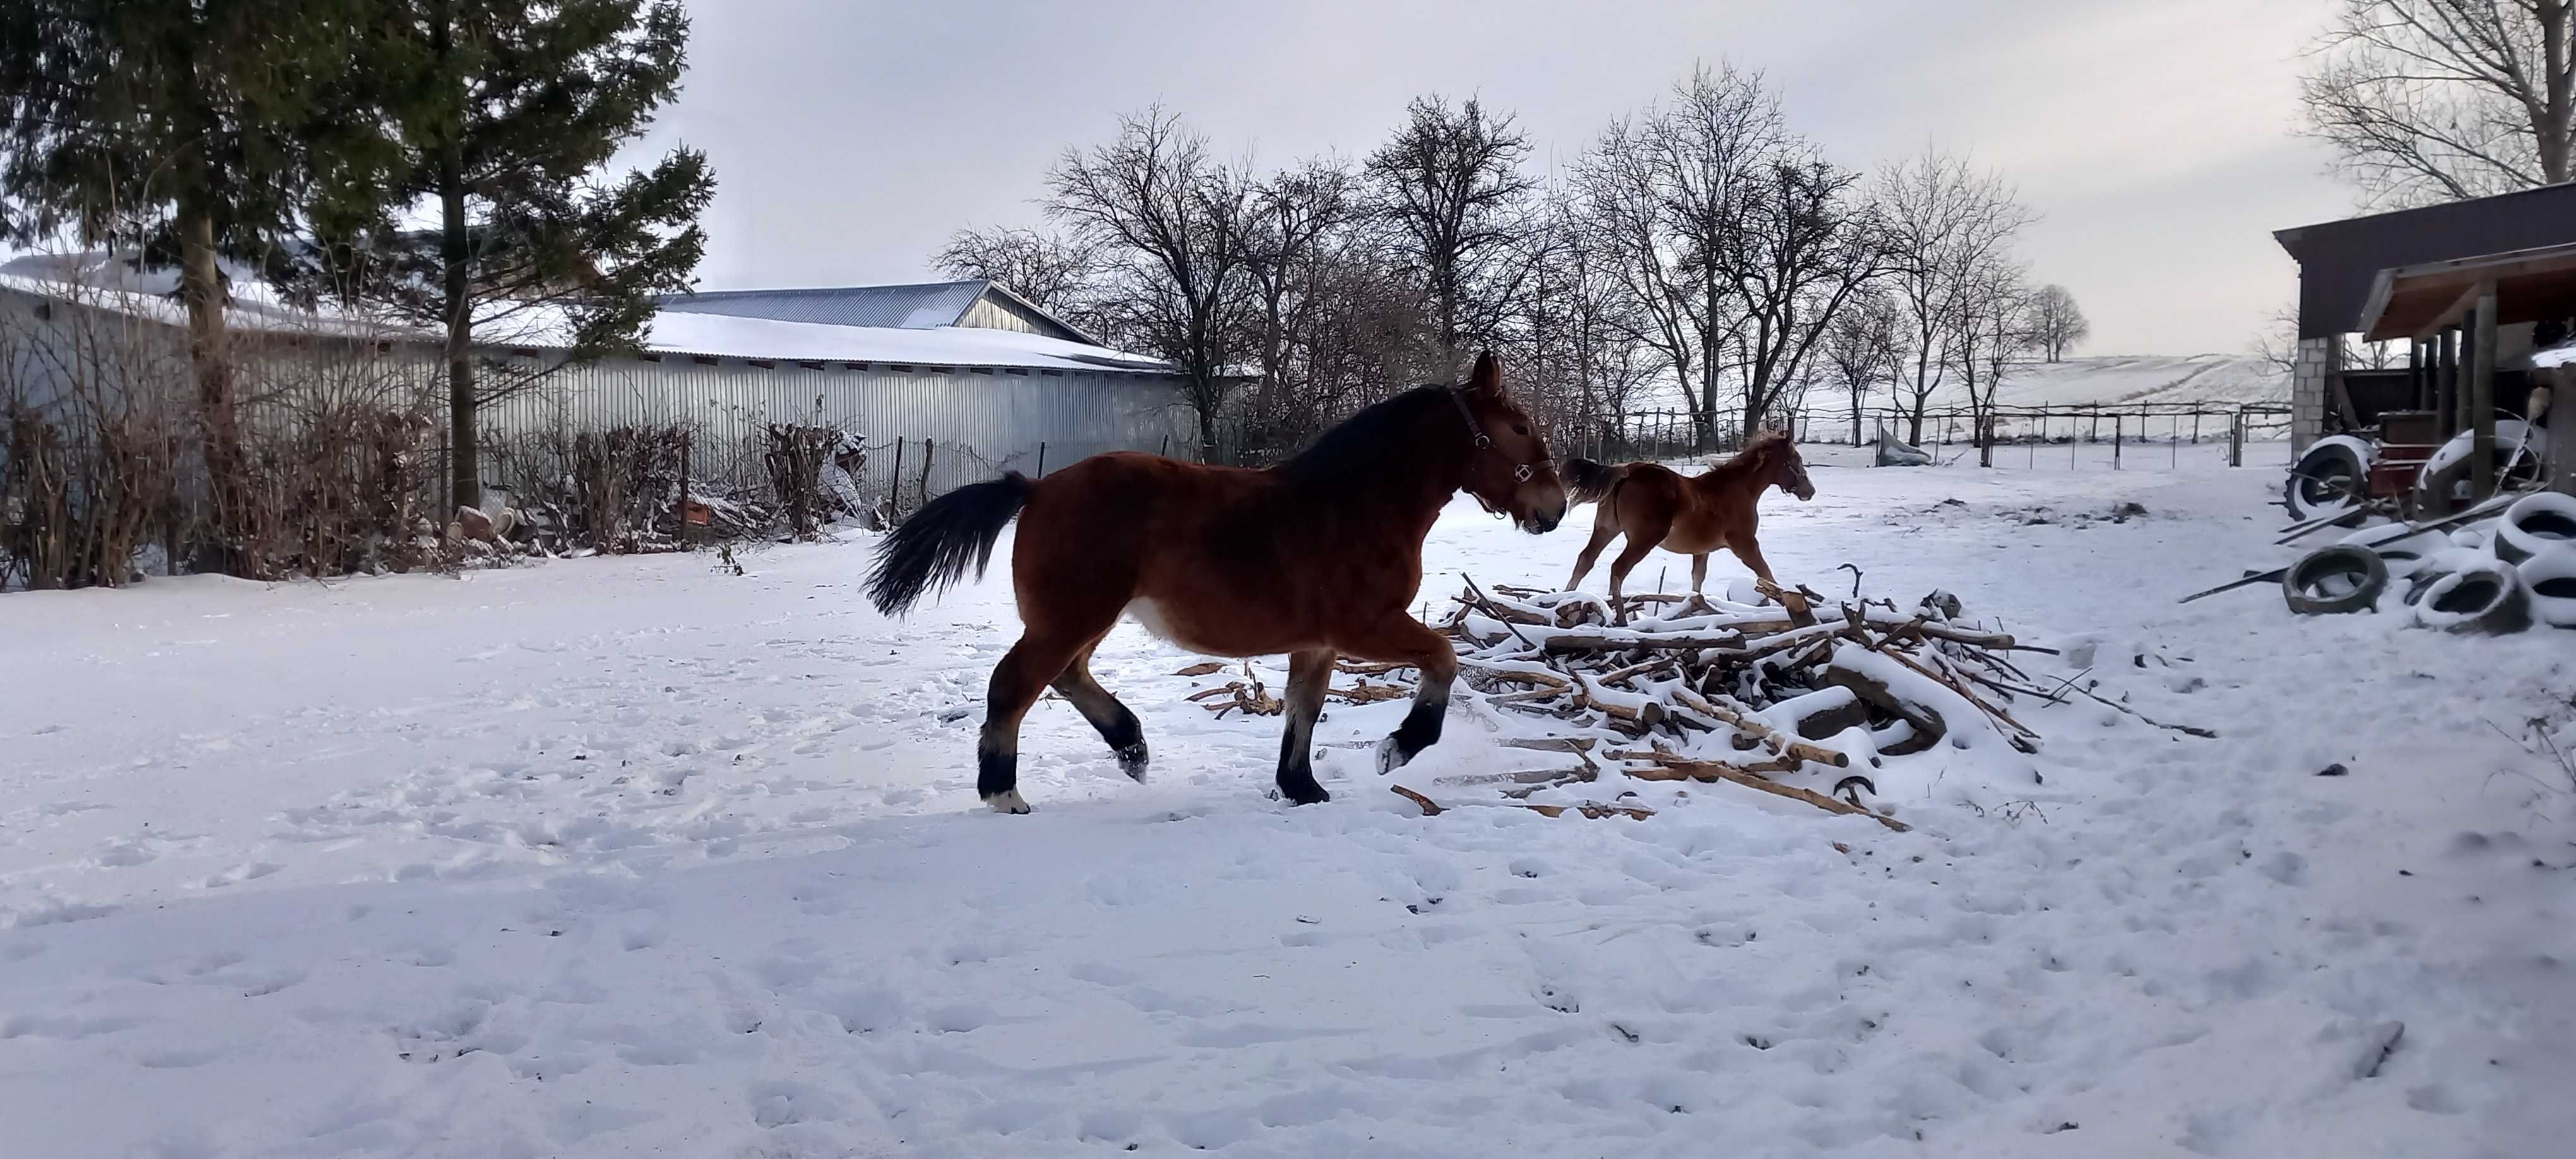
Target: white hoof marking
{"type": "Point", "coordinates": [1010, 802]}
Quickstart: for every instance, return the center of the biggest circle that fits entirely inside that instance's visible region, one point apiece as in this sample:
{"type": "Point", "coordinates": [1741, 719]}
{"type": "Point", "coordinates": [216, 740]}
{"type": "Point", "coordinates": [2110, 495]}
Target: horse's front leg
{"type": "Point", "coordinates": [1401, 639]}
{"type": "Point", "coordinates": [1747, 549]}
{"type": "Point", "coordinates": [1309, 675]}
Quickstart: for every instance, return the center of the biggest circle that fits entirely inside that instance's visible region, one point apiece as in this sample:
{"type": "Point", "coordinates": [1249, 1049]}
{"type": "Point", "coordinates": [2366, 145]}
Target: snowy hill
{"type": "Point", "coordinates": [2227, 378]}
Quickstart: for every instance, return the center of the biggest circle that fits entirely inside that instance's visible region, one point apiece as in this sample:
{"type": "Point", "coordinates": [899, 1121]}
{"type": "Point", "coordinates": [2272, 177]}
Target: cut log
{"type": "Point", "coordinates": [1928, 725]}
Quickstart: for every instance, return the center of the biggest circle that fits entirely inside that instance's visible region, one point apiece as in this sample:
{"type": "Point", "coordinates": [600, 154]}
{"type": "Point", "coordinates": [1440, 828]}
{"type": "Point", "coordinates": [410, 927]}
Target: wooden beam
{"type": "Point", "coordinates": [2482, 480]}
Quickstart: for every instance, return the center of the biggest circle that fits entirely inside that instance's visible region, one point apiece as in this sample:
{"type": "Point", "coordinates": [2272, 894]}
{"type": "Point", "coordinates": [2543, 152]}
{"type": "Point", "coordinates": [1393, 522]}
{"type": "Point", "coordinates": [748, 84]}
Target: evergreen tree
{"type": "Point", "coordinates": [179, 133]}
{"type": "Point", "coordinates": [507, 112]}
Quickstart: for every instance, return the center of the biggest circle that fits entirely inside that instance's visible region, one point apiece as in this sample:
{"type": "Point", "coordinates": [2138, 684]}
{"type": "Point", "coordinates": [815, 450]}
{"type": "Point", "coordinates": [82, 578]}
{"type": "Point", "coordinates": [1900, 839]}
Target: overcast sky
{"type": "Point", "coordinates": [850, 137]}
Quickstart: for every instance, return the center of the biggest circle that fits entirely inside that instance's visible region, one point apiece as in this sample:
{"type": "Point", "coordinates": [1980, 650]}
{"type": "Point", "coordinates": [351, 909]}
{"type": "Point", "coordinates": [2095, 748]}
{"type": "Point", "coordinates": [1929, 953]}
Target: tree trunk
{"type": "Point", "coordinates": [2553, 127]}
{"type": "Point", "coordinates": [455, 255]}
{"type": "Point", "coordinates": [455, 258]}
{"type": "Point", "coordinates": [202, 288]}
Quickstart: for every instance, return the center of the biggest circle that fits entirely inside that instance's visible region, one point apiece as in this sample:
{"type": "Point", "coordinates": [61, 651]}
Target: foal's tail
{"type": "Point", "coordinates": [933, 548]}
{"type": "Point", "coordinates": [1587, 481]}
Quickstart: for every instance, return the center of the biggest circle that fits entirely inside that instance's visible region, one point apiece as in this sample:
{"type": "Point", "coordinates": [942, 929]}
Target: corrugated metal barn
{"type": "Point", "coordinates": [942, 383]}
{"type": "Point", "coordinates": [945, 383]}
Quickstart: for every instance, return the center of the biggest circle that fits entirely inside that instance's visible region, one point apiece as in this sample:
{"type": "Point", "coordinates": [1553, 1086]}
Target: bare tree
{"type": "Point", "coordinates": [1808, 245]}
{"type": "Point", "coordinates": [1174, 227]}
{"type": "Point", "coordinates": [1061, 274]}
{"type": "Point", "coordinates": [2056, 322]}
{"type": "Point", "coordinates": [1579, 329]}
{"type": "Point", "coordinates": [1296, 213]}
{"type": "Point", "coordinates": [1861, 348]}
{"type": "Point", "coordinates": [1947, 224]}
{"type": "Point", "coordinates": [1450, 185]}
{"type": "Point", "coordinates": [2437, 100]}
{"type": "Point", "coordinates": [1668, 193]}
{"type": "Point", "coordinates": [1989, 325]}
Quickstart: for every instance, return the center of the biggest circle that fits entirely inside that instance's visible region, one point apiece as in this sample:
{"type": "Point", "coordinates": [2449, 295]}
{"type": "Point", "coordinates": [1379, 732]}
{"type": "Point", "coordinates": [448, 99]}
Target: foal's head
{"type": "Point", "coordinates": [1776, 456]}
{"type": "Point", "coordinates": [1509, 472]}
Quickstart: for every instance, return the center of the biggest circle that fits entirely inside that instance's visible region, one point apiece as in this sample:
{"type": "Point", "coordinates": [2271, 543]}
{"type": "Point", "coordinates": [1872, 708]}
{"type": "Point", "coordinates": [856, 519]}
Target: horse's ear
{"type": "Point", "coordinates": [1487, 377]}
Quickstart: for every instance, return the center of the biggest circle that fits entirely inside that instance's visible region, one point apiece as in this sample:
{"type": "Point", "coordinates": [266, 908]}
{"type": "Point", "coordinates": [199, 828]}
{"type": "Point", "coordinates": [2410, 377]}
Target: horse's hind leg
{"type": "Point", "coordinates": [1404, 640]}
{"type": "Point", "coordinates": [1699, 571]}
{"type": "Point", "coordinates": [1604, 529]}
{"type": "Point", "coordinates": [1638, 545]}
{"type": "Point", "coordinates": [1309, 674]}
{"type": "Point", "coordinates": [1117, 725]}
{"type": "Point", "coordinates": [1017, 681]}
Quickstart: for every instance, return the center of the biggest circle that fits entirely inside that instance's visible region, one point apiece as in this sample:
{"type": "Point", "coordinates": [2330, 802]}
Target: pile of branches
{"type": "Point", "coordinates": [1782, 684]}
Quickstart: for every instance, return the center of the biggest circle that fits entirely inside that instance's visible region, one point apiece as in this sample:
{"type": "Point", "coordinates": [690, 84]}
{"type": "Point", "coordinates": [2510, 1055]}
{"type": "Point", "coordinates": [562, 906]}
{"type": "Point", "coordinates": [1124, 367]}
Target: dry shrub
{"type": "Point", "coordinates": [796, 456]}
{"type": "Point", "coordinates": [626, 486]}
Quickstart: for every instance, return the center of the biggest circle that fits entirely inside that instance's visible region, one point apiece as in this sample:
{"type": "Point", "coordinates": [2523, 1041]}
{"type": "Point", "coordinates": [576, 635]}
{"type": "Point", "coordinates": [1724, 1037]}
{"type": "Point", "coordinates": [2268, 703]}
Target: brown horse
{"type": "Point", "coordinates": [1691, 516]}
{"type": "Point", "coordinates": [1317, 557]}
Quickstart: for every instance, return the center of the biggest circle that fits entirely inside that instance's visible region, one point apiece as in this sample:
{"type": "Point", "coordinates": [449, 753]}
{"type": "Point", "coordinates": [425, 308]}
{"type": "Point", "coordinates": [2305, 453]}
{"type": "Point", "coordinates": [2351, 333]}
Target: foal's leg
{"type": "Point", "coordinates": [1117, 725]}
{"type": "Point", "coordinates": [1638, 545]}
{"type": "Point", "coordinates": [1023, 674]}
{"type": "Point", "coordinates": [1605, 527]}
{"type": "Point", "coordinates": [1403, 640]}
{"type": "Point", "coordinates": [1699, 571]}
{"type": "Point", "coordinates": [1746, 549]}
{"type": "Point", "coordinates": [1309, 674]}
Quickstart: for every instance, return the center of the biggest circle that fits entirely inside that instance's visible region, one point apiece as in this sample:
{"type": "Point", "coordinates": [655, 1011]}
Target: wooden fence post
{"type": "Point", "coordinates": [928, 448]}
{"type": "Point", "coordinates": [1041, 460]}
{"type": "Point", "coordinates": [894, 480]}
{"type": "Point", "coordinates": [2116, 426]}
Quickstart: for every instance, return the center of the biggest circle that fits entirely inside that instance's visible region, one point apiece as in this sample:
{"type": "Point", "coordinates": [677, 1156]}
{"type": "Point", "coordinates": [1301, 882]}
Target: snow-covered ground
{"type": "Point", "coordinates": [639, 856]}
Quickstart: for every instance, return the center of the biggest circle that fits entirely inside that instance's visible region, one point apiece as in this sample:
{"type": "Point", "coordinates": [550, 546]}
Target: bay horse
{"type": "Point", "coordinates": [1316, 557]}
{"type": "Point", "coordinates": [1694, 516]}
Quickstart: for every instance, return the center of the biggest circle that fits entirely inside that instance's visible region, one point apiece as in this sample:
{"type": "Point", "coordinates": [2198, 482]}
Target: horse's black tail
{"type": "Point", "coordinates": [933, 548]}
{"type": "Point", "coordinates": [1587, 481]}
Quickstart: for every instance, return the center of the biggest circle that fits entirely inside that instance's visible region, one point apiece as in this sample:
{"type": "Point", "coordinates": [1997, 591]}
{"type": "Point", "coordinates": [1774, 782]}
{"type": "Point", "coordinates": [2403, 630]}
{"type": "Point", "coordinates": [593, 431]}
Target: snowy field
{"type": "Point", "coordinates": [638, 856]}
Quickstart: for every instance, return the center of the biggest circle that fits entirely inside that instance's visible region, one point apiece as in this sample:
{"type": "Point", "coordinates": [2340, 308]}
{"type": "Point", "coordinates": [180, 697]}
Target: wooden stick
{"type": "Point", "coordinates": [1594, 810]}
{"type": "Point", "coordinates": [1764, 732]}
{"type": "Point", "coordinates": [1430, 808]}
{"type": "Point", "coordinates": [1716, 771]}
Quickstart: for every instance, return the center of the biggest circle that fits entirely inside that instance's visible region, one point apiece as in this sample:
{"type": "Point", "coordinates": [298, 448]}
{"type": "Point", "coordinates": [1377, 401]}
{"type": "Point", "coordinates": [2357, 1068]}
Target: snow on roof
{"type": "Point", "coordinates": [721, 335]}
{"type": "Point", "coordinates": [913, 307]}
{"type": "Point", "coordinates": [112, 283]}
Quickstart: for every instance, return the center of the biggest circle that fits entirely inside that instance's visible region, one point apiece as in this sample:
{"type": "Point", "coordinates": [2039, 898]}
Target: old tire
{"type": "Point", "coordinates": [2483, 597]}
{"type": "Point", "coordinates": [2402, 550]}
{"type": "Point", "coordinates": [2331, 477]}
{"type": "Point", "coordinates": [2335, 580]}
{"type": "Point", "coordinates": [2549, 582]}
{"type": "Point", "coordinates": [2535, 525]}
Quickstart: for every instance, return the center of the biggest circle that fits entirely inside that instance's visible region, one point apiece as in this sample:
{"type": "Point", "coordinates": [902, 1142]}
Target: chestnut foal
{"type": "Point", "coordinates": [1693, 516]}
{"type": "Point", "coordinates": [1317, 557]}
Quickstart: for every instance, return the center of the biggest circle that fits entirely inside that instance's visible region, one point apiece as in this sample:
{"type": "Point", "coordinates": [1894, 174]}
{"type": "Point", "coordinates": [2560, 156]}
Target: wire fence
{"type": "Point", "coordinates": [2113, 436]}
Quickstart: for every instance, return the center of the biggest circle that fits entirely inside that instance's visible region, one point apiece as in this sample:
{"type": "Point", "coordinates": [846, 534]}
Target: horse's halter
{"type": "Point", "coordinates": [1521, 472]}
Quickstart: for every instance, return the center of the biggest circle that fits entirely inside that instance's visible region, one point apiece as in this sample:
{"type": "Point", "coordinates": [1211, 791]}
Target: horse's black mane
{"type": "Point", "coordinates": [1364, 443]}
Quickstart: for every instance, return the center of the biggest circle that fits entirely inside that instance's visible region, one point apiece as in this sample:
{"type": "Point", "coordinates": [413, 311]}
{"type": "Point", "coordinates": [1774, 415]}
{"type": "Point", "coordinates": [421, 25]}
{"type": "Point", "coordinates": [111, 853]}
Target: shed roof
{"type": "Point", "coordinates": [2340, 261]}
{"type": "Point", "coordinates": [2531, 285]}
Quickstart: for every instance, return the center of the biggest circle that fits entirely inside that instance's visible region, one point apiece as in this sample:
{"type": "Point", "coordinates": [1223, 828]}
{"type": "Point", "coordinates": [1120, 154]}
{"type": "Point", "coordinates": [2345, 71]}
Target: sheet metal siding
{"type": "Point", "coordinates": [980, 422]}
{"type": "Point", "coordinates": [991, 313]}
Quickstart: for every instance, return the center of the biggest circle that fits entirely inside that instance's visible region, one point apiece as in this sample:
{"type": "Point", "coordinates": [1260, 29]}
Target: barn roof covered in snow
{"type": "Point", "coordinates": [920, 306]}
{"type": "Point", "coordinates": [681, 328]}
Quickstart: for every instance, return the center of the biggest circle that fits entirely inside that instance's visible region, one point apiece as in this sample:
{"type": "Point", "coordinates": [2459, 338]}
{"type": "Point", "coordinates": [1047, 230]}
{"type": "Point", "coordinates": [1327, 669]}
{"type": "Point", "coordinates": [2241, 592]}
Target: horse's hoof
{"type": "Point", "coordinates": [1131, 761]}
{"type": "Point", "coordinates": [1009, 801]}
{"type": "Point", "coordinates": [1297, 797]}
{"type": "Point", "coordinates": [1390, 756]}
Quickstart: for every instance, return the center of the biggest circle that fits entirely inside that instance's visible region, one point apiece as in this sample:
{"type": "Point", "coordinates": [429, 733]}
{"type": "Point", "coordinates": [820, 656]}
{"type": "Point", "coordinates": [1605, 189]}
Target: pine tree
{"type": "Point", "coordinates": [507, 112]}
{"type": "Point", "coordinates": [180, 132]}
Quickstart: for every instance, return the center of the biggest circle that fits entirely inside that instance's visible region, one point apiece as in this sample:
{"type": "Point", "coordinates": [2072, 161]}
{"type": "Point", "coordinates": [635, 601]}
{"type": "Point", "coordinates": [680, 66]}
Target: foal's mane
{"type": "Point", "coordinates": [1363, 445]}
{"type": "Point", "coordinates": [1760, 453]}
